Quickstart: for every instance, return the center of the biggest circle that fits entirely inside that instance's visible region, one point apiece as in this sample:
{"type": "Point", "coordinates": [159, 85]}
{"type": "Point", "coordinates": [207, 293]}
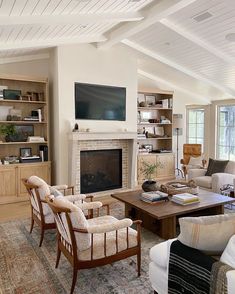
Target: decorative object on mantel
{"type": "Point", "coordinates": [148, 170]}
{"type": "Point", "coordinates": [76, 128]}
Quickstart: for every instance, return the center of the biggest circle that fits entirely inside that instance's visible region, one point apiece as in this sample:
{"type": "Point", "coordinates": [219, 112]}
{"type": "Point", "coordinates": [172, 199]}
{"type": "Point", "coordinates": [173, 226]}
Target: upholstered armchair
{"type": "Point", "coordinates": [88, 243]}
{"type": "Point", "coordinates": [38, 189]}
{"type": "Point", "coordinates": [192, 154]}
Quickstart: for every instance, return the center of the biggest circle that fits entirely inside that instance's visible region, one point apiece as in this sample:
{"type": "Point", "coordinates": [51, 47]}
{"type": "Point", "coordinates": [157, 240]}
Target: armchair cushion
{"type": "Point", "coordinates": [209, 234]}
{"type": "Point", "coordinates": [216, 166]}
{"type": "Point", "coordinates": [43, 187]}
{"type": "Point", "coordinates": [89, 205]}
{"type": "Point", "coordinates": [98, 241]}
{"type": "Point", "coordinates": [78, 221]}
{"type": "Point", "coordinates": [195, 162]}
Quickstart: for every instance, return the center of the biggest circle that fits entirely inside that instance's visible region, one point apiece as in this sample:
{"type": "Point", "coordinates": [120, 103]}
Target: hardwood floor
{"type": "Point", "coordinates": [13, 211]}
{"type": "Point", "coordinates": [21, 210]}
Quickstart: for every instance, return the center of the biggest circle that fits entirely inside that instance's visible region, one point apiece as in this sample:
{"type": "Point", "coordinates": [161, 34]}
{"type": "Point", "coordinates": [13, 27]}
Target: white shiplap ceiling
{"type": "Point", "coordinates": [163, 31]}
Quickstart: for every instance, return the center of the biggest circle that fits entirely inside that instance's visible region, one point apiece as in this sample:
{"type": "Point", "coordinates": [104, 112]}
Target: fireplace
{"type": "Point", "coordinates": [100, 170]}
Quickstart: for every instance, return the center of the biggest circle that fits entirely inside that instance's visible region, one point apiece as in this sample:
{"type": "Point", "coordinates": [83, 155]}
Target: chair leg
{"type": "Point", "coordinates": [58, 256]}
{"type": "Point", "coordinates": [42, 236]}
{"type": "Point", "coordinates": [31, 227]}
{"type": "Point", "coordinates": [139, 262]}
{"type": "Point", "coordinates": [75, 273]}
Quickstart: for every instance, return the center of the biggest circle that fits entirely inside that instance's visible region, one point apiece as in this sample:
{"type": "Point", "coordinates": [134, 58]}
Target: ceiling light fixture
{"type": "Point", "coordinates": [230, 37]}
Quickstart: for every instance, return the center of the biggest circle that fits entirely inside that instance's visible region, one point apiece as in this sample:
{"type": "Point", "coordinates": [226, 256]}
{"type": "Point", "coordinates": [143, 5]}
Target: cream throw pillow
{"type": "Point", "coordinates": [195, 162]}
{"type": "Point", "coordinates": [209, 234]}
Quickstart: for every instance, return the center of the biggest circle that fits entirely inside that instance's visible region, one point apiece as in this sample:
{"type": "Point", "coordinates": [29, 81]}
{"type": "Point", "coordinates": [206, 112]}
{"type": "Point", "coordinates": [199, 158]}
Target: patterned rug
{"type": "Point", "coordinates": [27, 269]}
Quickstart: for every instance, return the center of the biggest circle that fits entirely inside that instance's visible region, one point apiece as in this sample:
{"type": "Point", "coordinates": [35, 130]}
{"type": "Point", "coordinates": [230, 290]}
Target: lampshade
{"type": "Point", "coordinates": [178, 121]}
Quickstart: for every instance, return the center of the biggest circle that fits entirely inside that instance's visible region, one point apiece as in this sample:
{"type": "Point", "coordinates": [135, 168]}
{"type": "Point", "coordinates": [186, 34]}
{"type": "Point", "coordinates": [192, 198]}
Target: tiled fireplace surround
{"type": "Point", "coordinates": [81, 141]}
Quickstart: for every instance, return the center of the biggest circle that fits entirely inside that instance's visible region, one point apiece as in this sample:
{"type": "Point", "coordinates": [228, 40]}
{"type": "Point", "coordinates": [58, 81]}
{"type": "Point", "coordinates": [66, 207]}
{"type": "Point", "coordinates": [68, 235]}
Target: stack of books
{"type": "Point", "coordinates": [185, 198]}
{"type": "Point", "coordinates": [153, 196]}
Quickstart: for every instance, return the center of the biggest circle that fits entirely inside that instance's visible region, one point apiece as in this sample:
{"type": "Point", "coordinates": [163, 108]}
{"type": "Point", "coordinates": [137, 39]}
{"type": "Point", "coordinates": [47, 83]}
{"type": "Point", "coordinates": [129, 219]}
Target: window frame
{"type": "Point", "coordinates": [218, 130]}
{"type": "Point", "coordinates": [191, 108]}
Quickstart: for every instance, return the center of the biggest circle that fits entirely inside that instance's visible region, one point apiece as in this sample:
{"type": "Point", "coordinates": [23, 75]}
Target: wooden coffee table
{"type": "Point", "coordinates": [161, 217]}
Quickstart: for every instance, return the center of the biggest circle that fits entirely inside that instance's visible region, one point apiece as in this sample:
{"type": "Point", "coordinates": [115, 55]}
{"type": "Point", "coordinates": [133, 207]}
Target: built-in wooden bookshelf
{"type": "Point", "coordinates": [34, 96]}
{"type": "Point", "coordinates": [154, 132]}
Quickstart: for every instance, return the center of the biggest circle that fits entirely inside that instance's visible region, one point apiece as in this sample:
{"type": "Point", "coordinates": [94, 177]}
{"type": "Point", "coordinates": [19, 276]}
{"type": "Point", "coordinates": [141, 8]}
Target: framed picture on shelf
{"type": "Point", "coordinates": [149, 130]}
{"type": "Point", "coordinates": [150, 100]}
{"type": "Point", "coordinates": [25, 152]}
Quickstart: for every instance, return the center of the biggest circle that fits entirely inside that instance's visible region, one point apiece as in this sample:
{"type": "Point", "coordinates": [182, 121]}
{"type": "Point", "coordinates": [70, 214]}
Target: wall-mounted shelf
{"type": "Point", "coordinates": [22, 122]}
{"type": "Point", "coordinates": [2, 101]}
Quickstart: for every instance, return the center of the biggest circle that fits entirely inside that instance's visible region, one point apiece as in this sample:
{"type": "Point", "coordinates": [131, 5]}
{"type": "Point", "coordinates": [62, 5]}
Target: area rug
{"type": "Point", "coordinates": [26, 269]}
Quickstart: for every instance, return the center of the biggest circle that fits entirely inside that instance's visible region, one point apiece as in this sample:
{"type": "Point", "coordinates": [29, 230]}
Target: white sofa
{"type": "Point", "coordinates": [158, 269]}
{"type": "Point", "coordinates": [216, 181]}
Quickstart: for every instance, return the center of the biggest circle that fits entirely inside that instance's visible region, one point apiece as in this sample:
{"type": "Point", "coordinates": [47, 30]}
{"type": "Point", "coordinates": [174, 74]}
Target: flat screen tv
{"type": "Point", "coordinates": [99, 102]}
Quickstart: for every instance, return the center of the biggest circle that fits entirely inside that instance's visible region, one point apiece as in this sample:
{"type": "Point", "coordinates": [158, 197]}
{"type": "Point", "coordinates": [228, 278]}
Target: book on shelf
{"type": "Point", "coordinates": [185, 198]}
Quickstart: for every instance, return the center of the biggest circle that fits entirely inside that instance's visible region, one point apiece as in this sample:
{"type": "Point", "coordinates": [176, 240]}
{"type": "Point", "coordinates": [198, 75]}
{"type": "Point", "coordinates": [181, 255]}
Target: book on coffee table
{"type": "Point", "coordinates": [185, 198]}
{"type": "Point", "coordinates": [153, 196]}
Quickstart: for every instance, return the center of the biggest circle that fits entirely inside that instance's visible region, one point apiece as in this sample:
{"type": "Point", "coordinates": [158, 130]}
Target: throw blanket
{"type": "Point", "coordinates": [193, 272]}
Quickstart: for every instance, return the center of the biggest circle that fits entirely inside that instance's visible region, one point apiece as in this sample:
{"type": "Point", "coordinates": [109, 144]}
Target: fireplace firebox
{"type": "Point", "coordinates": [100, 170]}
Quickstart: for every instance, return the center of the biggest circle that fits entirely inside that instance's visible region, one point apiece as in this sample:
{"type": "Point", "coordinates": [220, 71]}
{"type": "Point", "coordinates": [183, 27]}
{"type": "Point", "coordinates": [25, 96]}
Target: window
{"type": "Point", "coordinates": [195, 126]}
{"type": "Point", "coordinates": [226, 132]}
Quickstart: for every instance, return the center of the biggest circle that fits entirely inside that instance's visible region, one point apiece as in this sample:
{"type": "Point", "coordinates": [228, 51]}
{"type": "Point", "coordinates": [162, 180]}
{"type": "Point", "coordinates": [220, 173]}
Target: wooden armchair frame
{"type": "Point", "coordinates": [70, 251]}
{"type": "Point", "coordinates": [38, 216]}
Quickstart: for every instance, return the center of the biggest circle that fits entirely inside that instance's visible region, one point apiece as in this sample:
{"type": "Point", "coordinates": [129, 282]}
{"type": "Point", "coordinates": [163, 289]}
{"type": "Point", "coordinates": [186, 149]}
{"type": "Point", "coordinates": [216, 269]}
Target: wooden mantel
{"type": "Point", "coordinates": [74, 136]}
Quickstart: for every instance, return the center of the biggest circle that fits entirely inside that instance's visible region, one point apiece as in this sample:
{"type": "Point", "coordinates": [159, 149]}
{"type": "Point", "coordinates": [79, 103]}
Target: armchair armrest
{"type": "Point", "coordinates": [60, 187]}
{"type": "Point", "coordinates": [89, 205]}
{"type": "Point", "coordinates": [105, 228]}
{"type": "Point", "coordinates": [74, 198]}
{"type": "Point", "coordinates": [220, 179]}
{"type": "Point", "coordinates": [182, 161]}
{"type": "Point", "coordinates": [196, 172]}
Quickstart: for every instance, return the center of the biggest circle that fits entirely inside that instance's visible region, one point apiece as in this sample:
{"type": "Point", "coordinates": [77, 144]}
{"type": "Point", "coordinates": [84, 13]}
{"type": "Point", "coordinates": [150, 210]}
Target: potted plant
{"type": "Point", "coordinates": [148, 170]}
{"type": "Point", "coordinates": [7, 131]}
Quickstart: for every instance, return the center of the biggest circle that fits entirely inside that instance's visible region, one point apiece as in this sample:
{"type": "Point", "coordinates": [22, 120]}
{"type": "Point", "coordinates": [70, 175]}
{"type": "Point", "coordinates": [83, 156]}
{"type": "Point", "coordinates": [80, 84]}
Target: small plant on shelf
{"type": "Point", "coordinates": [7, 131]}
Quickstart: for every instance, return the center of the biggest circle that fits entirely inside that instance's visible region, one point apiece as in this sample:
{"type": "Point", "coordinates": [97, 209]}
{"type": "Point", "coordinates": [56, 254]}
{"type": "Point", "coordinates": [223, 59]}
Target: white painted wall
{"type": "Point", "coordinates": [85, 63]}
{"type": "Point", "coordinates": [35, 68]}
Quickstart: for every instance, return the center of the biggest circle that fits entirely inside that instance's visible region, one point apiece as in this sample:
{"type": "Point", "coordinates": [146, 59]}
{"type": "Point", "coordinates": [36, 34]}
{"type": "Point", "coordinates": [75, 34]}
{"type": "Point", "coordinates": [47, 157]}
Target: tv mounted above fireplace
{"type": "Point", "coordinates": [100, 102]}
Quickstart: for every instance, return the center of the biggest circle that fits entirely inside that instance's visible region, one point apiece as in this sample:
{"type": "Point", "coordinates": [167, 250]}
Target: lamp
{"type": "Point", "coordinates": [178, 130]}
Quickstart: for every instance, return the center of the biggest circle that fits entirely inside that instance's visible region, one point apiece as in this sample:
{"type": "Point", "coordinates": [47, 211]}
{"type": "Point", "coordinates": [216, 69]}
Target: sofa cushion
{"type": "Point", "coordinates": [204, 181]}
{"type": "Point", "coordinates": [228, 256]}
{"type": "Point", "coordinates": [216, 166]}
{"type": "Point", "coordinates": [207, 233]}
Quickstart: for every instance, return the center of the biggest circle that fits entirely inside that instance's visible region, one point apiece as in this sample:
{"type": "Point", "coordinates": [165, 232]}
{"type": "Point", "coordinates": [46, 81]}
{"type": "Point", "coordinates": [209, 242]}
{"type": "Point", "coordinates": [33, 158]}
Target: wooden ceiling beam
{"type": "Point", "coordinates": [51, 42]}
{"type": "Point", "coordinates": [83, 19]}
